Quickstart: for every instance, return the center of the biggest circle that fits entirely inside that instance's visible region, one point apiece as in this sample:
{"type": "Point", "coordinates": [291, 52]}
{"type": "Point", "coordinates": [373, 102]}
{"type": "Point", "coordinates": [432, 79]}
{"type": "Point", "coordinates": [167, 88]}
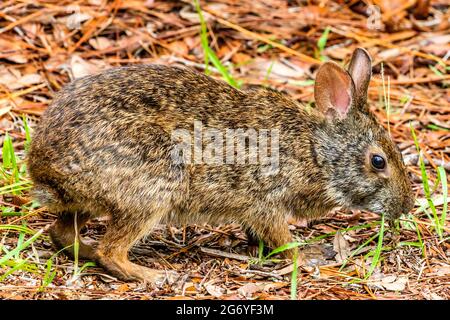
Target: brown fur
{"type": "Point", "coordinates": [103, 148]}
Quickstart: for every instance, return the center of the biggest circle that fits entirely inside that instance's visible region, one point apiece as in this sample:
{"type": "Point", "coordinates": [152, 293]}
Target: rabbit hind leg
{"type": "Point", "coordinates": [123, 231]}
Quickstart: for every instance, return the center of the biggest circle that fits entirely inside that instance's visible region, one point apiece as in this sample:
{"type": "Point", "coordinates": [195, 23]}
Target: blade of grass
{"type": "Point", "coordinates": [27, 132]}
{"type": "Point", "coordinates": [322, 42]}
{"type": "Point", "coordinates": [443, 177]}
{"type": "Point", "coordinates": [269, 71]}
{"type": "Point", "coordinates": [203, 34]}
{"type": "Point", "coordinates": [318, 238]}
{"type": "Point", "coordinates": [294, 278]}
{"type": "Point", "coordinates": [20, 239]}
{"type": "Point", "coordinates": [16, 267]}
{"type": "Point", "coordinates": [287, 246]}
{"type": "Point", "coordinates": [17, 186]}
{"type": "Point", "coordinates": [6, 154]}
{"type": "Point", "coordinates": [260, 250]}
{"type": "Point", "coordinates": [409, 243]}
{"type": "Point", "coordinates": [48, 276]}
{"type": "Point", "coordinates": [20, 248]}
{"type": "Point", "coordinates": [17, 228]}
{"type": "Point", "coordinates": [377, 253]}
{"type": "Point", "coordinates": [209, 54]}
{"type": "Point", "coordinates": [426, 186]}
{"type": "Point", "coordinates": [356, 251]}
{"type": "Point", "coordinates": [419, 236]}
{"type": "Point", "coordinates": [86, 265]}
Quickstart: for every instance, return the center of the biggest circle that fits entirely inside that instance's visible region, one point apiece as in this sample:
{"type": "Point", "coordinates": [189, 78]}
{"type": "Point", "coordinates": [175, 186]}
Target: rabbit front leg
{"type": "Point", "coordinates": [271, 228]}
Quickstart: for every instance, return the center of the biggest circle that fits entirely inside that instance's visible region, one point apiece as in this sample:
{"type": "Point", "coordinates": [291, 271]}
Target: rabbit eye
{"type": "Point", "coordinates": [378, 162]}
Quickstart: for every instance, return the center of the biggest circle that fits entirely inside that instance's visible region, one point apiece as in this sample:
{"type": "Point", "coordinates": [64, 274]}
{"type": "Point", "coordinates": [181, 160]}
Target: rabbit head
{"type": "Point", "coordinates": [363, 166]}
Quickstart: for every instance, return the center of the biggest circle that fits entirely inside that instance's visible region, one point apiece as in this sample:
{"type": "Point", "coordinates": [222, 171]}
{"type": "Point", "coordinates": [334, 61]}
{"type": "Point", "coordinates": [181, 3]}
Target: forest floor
{"type": "Point", "coordinates": [347, 255]}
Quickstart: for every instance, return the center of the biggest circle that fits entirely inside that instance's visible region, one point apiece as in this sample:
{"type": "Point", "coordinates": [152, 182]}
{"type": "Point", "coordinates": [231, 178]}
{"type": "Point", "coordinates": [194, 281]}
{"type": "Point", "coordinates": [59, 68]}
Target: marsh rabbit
{"type": "Point", "coordinates": [106, 146]}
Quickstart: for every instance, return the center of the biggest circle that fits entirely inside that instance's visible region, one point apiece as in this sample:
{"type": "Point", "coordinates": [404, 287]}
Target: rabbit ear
{"type": "Point", "coordinates": [333, 90]}
{"type": "Point", "coordinates": [360, 69]}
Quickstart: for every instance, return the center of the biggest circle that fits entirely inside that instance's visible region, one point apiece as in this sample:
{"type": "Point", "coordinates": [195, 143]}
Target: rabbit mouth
{"type": "Point", "coordinates": [379, 210]}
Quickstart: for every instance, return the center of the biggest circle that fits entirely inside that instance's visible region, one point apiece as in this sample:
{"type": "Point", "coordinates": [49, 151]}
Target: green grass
{"type": "Point", "coordinates": [9, 159]}
{"type": "Point", "coordinates": [261, 250]}
{"type": "Point", "coordinates": [76, 248]}
{"type": "Point", "coordinates": [321, 44]}
{"type": "Point", "coordinates": [357, 250]}
{"type": "Point", "coordinates": [12, 260]}
{"type": "Point", "coordinates": [377, 252]}
{"type": "Point", "coordinates": [442, 175]}
{"type": "Point", "coordinates": [296, 244]}
{"type": "Point", "coordinates": [294, 278]}
{"type": "Point", "coordinates": [13, 182]}
{"type": "Point", "coordinates": [27, 132]}
{"type": "Point", "coordinates": [415, 227]}
{"type": "Point", "coordinates": [439, 222]}
{"type": "Point", "coordinates": [263, 48]}
{"type": "Point", "coordinates": [269, 71]}
{"type": "Point", "coordinates": [436, 127]}
{"type": "Point", "coordinates": [209, 54]}
{"type": "Point", "coordinates": [50, 273]}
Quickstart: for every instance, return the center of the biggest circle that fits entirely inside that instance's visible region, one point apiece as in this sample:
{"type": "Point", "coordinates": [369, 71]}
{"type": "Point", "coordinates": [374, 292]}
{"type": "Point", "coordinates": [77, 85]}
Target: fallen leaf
{"type": "Point", "coordinates": [74, 20]}
{"type": "Point", "coordinates": [340, 245]}
{"type": "Point", "coordinates": [275, 285]}
{"type": "Point", "coordinates": [440, 271]}
{"type": "Point", "coordinates": [250, 288]}
{"type": "Point", "coordinates": [13, 80]}
{"type": "Point", "coordinates": [390, 282]}
{"type": "Point", "coordinates": [240, 58]}
{"type": "Point", "coordinates": [5, 107]}
{"type": "Point", "coordinates": [123, 288]}
{"type": "Point", "coordinates": [179, 47]}
{"type": "Point", "coordinates": [398, 285]}
{"type": "Point", "coordinates": [214, 290]}
{"type": "Point", "coordinates": [431, 295]}
{"type": "Point", "coordinates": [100, 43]}
{"type": "Point", "coordinates": [278, 69]}
{"type": "Point", "coordinates": [81, 67]}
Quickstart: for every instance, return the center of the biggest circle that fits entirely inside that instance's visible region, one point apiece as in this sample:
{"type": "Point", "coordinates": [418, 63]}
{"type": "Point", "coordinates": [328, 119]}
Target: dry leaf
{"type": "Point", "coordinates": [389, 282]}
{"type": "Point", "coordinates": [13, 80]}
{"type": "Point", "coordinates": [440, 270]}
{"type": "Point", "coordinates": [250, 288]}
{"type": "Point", "coordinates": [179, 47]}
{"type": "Point", "coordinates": [427, 294]}
{"type": "Point", "coordinates": [277, 68]}
{"type": "Point", "coordinates": [74, 20]}
{"type": "Point", "coordinates": [100, 43]}
{"type": "Point", "coordinates": [189, 15]}
{"type": "Point", "coordinates": [123, 288]}
{"type": "Point", "coordinates": [290, 267]}
{"type": "Point", "coordinates": [81, 67]}
{"type": "Point", "coordinates": [240, 58]}
{"type": "Point", "coordinates": [11, 50]}
{"type": "Point", "coordinates": [5, 107]}
{"type": "Point", "coordinates": [214, 290]}
{"type": "Point", "coordinates": [340, 245]}
{"type": "Point", "coordinates": [275, 285]}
